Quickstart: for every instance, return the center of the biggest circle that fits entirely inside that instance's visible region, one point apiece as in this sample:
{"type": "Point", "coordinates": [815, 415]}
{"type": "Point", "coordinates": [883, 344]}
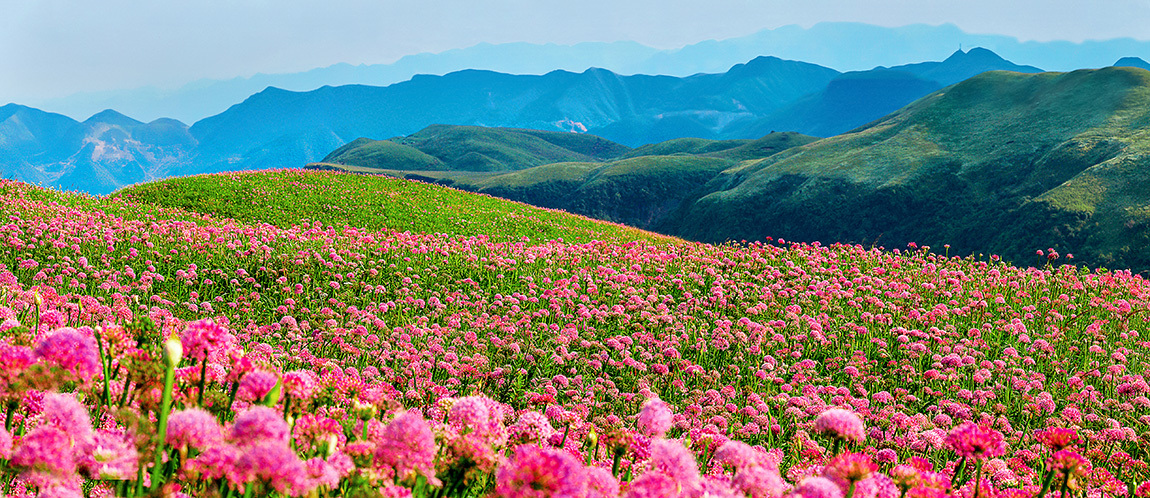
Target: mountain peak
{"type": "Point", "coordinates": [976, 54]}
{"type": "Point", "coordinates": [1132, 62]}
{"type": "Point", "coordinates": [109, 116]}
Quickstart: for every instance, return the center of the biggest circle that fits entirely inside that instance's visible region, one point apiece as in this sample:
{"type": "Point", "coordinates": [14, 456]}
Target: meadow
{"type": "Point", "coordinates": [305, 333]}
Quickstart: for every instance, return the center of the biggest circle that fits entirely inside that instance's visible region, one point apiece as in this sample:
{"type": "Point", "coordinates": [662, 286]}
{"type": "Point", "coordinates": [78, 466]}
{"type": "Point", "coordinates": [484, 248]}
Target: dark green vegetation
{"type": "Point", "coordinates": [1002, 163]}
{"type": "Point", "coordinates": [579, 173]}
{"type": "Point", "coordinates": [293, 197]}
{"type": "Point", "coordinates": [473, 148]}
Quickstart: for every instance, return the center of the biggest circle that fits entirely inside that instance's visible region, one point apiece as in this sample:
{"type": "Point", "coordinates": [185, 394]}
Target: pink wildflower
{"type": "Point", "coordinates": [532, 427]}
{"type": "Point", "coordinates": [601, 484]}
{"type": "Point", "coordinates": [1058, 438]}
{"type": "Point", "coordinates": [761, 482]}
{"type": "Point", "coordinates": [300, 384]}
{"type": "Point", "coordinates": [113, 458]}
{"type": "Point", "coordinates": [655, 418]}
{"type": "Point", "coordinates": [255, 385]}
{"type": "Point", "coordinates": [274, 463]}
{"type": "Point", "coordinates": [71, 350]}
{"type": "Point", "coordinates": [407, 445]}
{"type": "Point", "coordinates": [259, 423]}
{"type": "Point", "coordinates": [841, 424]}
{"type": "Point", "coordinates": [202, 338]}
{"type": "Point", "coordinates": [671, 458]}
{"type": "Point", "coordinates": [971, 440]}
{"type": "Point", "coordinates": [5, 445]}
{"type": "Point", "coordinates": [543, 473]}
{"type": "Point", "coordinates": [193, 427]}
{"type": "Point", "coordinates": [652, 485]}
{"type": "Point", "coordinates": [817, 487]}
{"type": "Point", "coordinates": [737, 454]}
{"type": "Point", "coordinates": [46, 455]}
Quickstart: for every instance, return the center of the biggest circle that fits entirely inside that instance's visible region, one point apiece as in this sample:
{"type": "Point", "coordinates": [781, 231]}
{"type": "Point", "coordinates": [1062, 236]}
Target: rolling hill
{"type": "Point", "coordinates": [579, 173]}
{"type": "Point", "coordinates": [1002, 163]}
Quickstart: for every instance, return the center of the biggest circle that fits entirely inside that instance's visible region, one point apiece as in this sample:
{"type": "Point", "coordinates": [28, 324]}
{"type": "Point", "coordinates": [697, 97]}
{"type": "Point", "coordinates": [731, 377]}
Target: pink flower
{"type": "Point", "coordinates": [45, 454]}
{"type": "Point", "coordinates": [760, 482]}
{"type": "Point", "coordinates": [655, 418]}
{"type": "Point", "coordinates": [218, 461]}
{"type": "Point", "coordinates": [193, 427]}
{"type": "Point", "coordinates": [652, 485]}
{"type": "Point", "coordinates": [601, 484]}
{"type": "Point", "coordinates": [62, 411]}
{"type": "Point", "coordinates": [71, 350]}
{"type": "Point", "coordinates": [1057, 438]}
{"type": "Point", "coordinates": [542, 473]}
{"type": "Point", "coordinates": [817, 487]}
{"type": "Point", "coordinates": [5, 445]}
{"type": "Point", "coordinates": [113, 458]}
{"type": "Point", "coordinates": [532, 427]}
{"type": "Point", "coordinates": [202, 338]}
{"type": "Point", "coordinates": [273, 462]}
{"type": "Point", "coordinates": [300, 384]}
{"type": "Point", "coordinates": [971, 440]}
{"type": "Point", "coordinates": [841, 424]}
{"type": "Point", "coordinates": [255, 385]}
{"type": "Point", "coordinates": [850, 467]}
{"type": "Point", "coordinates": [407, 445]}
{"type": "Point", "coordinates": [737, 454]}
{"type": "Point", "coordinates": [259, 423]}
{"type": "Point", "coordinates": [671, 458]}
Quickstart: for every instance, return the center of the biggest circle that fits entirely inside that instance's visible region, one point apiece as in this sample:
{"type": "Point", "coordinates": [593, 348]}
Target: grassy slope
{"type": "Point", "coordinates": [1003, 162]}
{"type": "Point", "coordinates": [473, 148]}
{"type": "Point", "coordinates": [291, 197]}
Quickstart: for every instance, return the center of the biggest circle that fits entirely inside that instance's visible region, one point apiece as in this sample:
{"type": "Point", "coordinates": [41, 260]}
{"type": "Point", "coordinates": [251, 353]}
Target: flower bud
{"type": "Point", "coordinates": [173, 351]}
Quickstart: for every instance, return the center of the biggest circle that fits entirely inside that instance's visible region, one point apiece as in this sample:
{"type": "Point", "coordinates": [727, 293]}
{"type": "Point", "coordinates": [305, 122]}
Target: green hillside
{"type": "Point", "coordinates": [1002, 163]}
{"type": "Point", "coordinates": [473, 148]}
{"type": "Point", "coordinates": [292, 197]}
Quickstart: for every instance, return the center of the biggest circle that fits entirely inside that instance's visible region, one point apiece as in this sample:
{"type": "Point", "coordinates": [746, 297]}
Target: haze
{"type": "Point", "coordinates": [55, 48]}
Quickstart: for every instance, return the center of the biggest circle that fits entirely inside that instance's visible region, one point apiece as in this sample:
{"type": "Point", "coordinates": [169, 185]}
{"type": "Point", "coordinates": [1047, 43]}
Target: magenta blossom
{"type": "Point", "coordinates": [840, 424]}
{"type": "Point", "coordinates": [655, 418]}
{"type": "Point", "coordinates": [72, 350]}
{"type": "Point", "coordinates": [542, 473]}
{"type": "Point", "coordinates": [971, 440]}
{"type": "Point", "coordinates": [193, 427]}
{"type": "Point", "coordinates": [202, 338]}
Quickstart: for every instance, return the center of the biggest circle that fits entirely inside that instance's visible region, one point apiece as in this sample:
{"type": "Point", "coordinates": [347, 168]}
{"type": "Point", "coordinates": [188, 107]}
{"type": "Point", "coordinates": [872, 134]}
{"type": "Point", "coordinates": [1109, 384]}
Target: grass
{"type": "Point", "coordinates": [1003, 163]}
{"type": "Point", "coordinates": [290, 197]}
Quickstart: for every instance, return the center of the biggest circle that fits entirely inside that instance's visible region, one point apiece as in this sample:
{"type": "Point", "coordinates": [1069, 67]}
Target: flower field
{"type": "Point", "coordinates": [147, 348]}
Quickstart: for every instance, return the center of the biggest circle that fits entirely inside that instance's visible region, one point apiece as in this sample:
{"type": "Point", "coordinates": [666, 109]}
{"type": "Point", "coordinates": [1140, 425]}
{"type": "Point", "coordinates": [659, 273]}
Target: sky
{"type": "Point", "coordinates": [53, 48]}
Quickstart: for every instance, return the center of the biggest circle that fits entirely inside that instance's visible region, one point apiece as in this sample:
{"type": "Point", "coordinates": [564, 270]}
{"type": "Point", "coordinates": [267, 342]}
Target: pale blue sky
{"type": "Point", "coordinates": [51, 48]}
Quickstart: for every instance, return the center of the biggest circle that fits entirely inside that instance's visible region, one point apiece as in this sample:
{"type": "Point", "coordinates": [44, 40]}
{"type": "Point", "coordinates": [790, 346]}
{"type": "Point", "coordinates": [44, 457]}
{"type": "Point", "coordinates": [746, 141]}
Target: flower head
{"type": "Point", "coordinates": [202, 338]}
{"type": "Point", "coordinates": [542, 473]}
{"type": "Point", "coordinates": [407, 445]}
{"type": "Point", "coordinates": [817, 487]}
{"type": "Point", "coordinates": [193, 427]}
{"type": "Point", "coordinates": [72, 350]}
{"type": "Point", "coordinates": [841, 424]}
{"type": "Point", "coordinates": [259, 423]}
{"type": "Point", "coordinates": [1058, 438]}
{"type": "Point", "coordinates": [971, 440]}
{"type": "Point", "coordinates": [655, 418]}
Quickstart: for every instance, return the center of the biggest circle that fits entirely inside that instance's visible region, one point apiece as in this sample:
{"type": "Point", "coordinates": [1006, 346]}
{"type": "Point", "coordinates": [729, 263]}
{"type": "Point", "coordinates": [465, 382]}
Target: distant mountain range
{"type": "Point", "coordinates": [278, 128]}
{"type": "Point", "coordinates": [842, 46]}
{"type": "Point", "coordinates": [1001, 163]}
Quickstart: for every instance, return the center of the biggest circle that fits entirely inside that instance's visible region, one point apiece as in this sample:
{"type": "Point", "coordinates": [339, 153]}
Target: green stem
{"type": "Point", "coordinates": [12, 405]}
{"type": "Point", "coordinates": [105, 364]}
{"type": "Point", "coordinates": [615, 462]}
{"type": "Point", "coordinates": [162, 429]}
{"type": "Point", "coordinates": [1046, 483]}
{"type": "Point", "coordinates": [203, 376]}
{"type": "Point", "coordinates": [850, 490]}
{"type": "Point", "coordinates": [977, 480]}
